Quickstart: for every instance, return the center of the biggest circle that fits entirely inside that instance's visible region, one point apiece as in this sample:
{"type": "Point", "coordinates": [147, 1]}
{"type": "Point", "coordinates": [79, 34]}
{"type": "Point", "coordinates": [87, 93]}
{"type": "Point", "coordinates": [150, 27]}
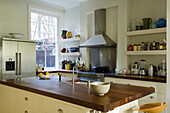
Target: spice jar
{"type": "Point", "coordinates": [139, 47]}
{"type": "Point", "coordinates": [161, 47]}
{"type": "Point", "coordinates": [142, 46]}
{"type": "Point", "coordinates": [135, 47]}
{"type": "Point", "coordinates": [157, 45]}
{"type": "Point", "coordinates": [130, 48]}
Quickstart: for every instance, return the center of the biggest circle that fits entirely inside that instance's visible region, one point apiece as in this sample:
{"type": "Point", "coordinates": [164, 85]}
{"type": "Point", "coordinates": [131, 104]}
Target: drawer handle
{"type": "Point", "coordinates": [26, 99]}
{"type": "Point", "coordinates": [26, 111]}
{"type": "Point", "coordinates": [60, 111]}
{"type": "Point", "coordinates": [151, 97]}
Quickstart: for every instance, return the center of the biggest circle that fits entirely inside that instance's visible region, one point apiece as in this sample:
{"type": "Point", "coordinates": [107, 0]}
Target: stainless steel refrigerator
{"type": "Point", "coordinates": [17, 58]}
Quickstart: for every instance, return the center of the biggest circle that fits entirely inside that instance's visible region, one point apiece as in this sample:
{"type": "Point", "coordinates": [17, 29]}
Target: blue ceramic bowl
{"type": "Point", "coordinates": [160, 23]}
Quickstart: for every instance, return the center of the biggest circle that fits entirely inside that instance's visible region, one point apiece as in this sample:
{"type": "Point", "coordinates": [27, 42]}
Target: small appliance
{"type": "Point", "coordinates": [142, 67]}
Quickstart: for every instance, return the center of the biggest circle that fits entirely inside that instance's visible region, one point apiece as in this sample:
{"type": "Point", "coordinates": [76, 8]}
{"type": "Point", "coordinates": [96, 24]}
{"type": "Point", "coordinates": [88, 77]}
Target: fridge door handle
{"type": "Point", "coordinates": [16, 70]}
{"type": "Point", "coordinates": [19, 63]}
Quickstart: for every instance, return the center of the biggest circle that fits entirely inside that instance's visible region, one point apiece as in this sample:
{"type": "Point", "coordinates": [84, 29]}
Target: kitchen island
{"type": "Point", "coordinates": [47, 93]}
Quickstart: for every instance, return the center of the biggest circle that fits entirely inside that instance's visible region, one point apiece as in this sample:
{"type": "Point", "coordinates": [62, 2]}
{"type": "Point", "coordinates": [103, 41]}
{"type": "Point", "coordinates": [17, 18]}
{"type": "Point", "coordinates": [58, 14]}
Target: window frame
{"type": "Point", "coordinates": [59, 16]}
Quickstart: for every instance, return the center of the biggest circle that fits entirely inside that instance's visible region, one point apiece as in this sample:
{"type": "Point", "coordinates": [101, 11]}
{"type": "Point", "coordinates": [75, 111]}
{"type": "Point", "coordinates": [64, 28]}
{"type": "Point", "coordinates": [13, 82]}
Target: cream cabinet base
{"type": "Point", "coordinates": [13, 100]}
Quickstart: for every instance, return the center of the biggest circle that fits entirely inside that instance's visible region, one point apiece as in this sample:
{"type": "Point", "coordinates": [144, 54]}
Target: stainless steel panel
{"type": "Point", "coordinates": [103, 57]}
{"type": "Point", "coordinates": [27, 58]}
{"type": "Point", "coordinates": [9, 50]}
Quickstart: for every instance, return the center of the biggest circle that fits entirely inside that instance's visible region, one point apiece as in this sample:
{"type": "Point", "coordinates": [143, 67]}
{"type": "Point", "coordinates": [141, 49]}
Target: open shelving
{"type": "Point", "coordinates": [71, 54]}
{"type": "Point", "coordinates": [153, 52]}
{"type": "Point", "coordinates": [146, 32]}
{"type": "Point", "coordinates": [71, 40]}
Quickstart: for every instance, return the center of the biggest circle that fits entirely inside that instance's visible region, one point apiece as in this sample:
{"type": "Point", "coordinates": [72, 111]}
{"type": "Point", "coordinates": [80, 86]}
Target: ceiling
{"type": "Point", "coordinates": [66, 4]}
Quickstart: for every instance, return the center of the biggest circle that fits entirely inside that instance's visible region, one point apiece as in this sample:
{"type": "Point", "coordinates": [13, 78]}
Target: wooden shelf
{"type": "Point", "coordinates": [152, 52]}
{"type": "Point", "coordinates": [146, 32]}
{"type": "Point", "coordinates": [71, 54]}
{"type": "Point", "coordinates": [71, 40]}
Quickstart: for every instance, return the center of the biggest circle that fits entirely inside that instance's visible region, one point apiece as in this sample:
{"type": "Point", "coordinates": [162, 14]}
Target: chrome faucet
{"type": "Point", "coordinates": [75, 67]}
{"type": "Point", "coordinates": [59, 74]}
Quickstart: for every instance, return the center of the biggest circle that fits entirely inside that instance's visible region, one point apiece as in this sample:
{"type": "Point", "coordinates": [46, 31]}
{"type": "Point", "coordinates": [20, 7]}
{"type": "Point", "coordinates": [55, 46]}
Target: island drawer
{"type": "Point", "coordinates": [56, 106]}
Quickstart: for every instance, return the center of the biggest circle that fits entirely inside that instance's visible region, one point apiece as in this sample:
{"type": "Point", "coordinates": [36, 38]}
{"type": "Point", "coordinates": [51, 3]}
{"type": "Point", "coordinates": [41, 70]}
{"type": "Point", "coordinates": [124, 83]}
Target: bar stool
{"type": "Point", "coordinates": [152, 107]}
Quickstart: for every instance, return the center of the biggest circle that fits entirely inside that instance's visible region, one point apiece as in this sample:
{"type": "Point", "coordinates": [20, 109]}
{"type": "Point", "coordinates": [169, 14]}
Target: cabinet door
{"type": "Point", "coordinates": [56, 106]}
{"type": "Point", "coordinates": [27, 58]}
{"type": "Point", "coordinates": [26, 102]}
{"type": "Point", "coordinates": [5, 99]}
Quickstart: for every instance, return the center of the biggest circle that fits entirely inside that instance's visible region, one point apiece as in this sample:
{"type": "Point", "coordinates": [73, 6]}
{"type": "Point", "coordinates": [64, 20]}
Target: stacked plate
{"type": "Point", "coordinates": [16, 35]}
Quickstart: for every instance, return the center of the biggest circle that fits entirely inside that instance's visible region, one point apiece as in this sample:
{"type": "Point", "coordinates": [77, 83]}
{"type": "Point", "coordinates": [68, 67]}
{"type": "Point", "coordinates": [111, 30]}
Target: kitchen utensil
{"type": "Point", "coordinates": [16, 35]}
{"type": "Point", "coordinates": [135, 47]}
{"type": "Point", "coordinates": [146, 23]}
{"type": "Point", "coordinates": [148, 46]}
{"type": "Point", "coordinates": [130, 48]}
{"type": "Point", "coordinates": [44, 76]}
{"type": "Point", "coordinates": [100, 88]}
{"type": "Point", "coordinates": [69, 34]}
{"type": "Point", "coordinates": [153, 45]}
{"type": "Point", "coordinates": [142, 67]}
{"type": "Point", "coordinates": [143, 47]}
{"type": "Point", "coordinates": [63, 34]}
{"type": "Point", "coordinates": [139, 47]}
{"type": "Point", "coordinates": [74, 49]}
{"type": "Point", "coordinates": [157, 45]}
{"type": "Point", "coordinates": [135, 69]}
{"type": "Point", "coordinates": [63, 50]}
{"type": "Point", "coordinates": [150, 70]}
{"type": "Point", "coordinates": [160, 23]}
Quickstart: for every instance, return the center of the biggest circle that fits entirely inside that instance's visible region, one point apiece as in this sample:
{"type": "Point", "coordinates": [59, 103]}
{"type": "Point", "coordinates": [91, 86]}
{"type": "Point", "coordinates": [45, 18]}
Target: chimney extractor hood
{"type": "Point", "coordinates": [100, 39]}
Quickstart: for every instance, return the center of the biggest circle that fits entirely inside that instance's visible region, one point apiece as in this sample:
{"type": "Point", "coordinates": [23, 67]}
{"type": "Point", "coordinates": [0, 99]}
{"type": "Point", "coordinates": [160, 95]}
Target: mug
{"type": "Point", "coordinates": [146, 22]}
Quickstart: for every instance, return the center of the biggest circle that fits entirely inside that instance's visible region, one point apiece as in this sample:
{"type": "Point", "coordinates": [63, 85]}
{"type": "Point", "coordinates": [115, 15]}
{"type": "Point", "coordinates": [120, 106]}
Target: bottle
{"type": "Point", "coordinates": [83, 67]}
{"type": "Point", "coordinates": [164, 44]}
{"type": "Point", "coordinates": [163, 65]}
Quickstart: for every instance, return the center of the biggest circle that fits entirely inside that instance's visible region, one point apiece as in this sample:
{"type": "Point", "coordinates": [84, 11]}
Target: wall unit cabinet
{"type": "Point", "coordinates": [135, 13]}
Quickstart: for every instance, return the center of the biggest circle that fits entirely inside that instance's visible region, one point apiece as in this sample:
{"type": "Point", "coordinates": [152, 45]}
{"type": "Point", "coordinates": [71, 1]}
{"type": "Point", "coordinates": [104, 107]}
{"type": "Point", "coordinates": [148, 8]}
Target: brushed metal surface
{"type": "Point", "coordinates": [103, 57]}
{"type": "Point", "coordinates": [10, 49]}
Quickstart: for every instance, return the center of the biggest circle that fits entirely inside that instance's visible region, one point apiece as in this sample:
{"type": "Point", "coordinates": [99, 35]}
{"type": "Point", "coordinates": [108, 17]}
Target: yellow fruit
{"type": "Point", "coordinates": [41, 74]}
{"type": "Point", "coordinates": [47, 73]}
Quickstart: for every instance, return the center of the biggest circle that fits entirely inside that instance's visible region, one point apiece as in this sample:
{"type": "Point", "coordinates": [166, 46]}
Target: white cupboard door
{"type": "Point", "coordinates": [5, 99]}
{"type": "Point", "coordinates": [27, 58]}
{"type": "Point", "coordinates": [56, 106]}
{"type": "Point", "coordinates": [26, 102]}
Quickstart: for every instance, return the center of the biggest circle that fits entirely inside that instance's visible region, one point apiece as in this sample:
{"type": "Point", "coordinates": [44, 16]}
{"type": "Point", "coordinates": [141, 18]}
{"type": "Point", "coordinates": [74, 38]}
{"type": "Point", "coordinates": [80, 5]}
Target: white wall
{"type": "Point", "coordinates": [92, 5]}
{"type": "Point", "coordinates": [72, 20]}
{"type": "Point", "coordinates": [14, 15]}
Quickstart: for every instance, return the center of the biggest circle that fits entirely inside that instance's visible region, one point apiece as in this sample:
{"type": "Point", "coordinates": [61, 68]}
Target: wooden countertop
{"type": "Point", "coordinates": [118, 94]}
{"type": "Point", "coordinates": [133, 77]}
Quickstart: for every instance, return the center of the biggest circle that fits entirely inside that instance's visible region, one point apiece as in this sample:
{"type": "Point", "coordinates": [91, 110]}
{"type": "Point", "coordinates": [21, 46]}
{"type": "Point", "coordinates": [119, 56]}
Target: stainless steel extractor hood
{"type": "Point", "coordinates": [100, 39]}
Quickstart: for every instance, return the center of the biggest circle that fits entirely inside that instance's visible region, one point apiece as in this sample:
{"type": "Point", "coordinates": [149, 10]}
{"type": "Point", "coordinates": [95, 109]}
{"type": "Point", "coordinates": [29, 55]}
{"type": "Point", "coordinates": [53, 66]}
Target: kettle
{"type": "Point", "coordinates": [151, 70]}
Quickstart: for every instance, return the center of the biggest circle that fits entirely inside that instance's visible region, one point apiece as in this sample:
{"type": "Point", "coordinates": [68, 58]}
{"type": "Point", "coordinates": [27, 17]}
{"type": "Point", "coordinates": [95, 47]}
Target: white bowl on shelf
{"type": "Point", "coordinates": [16, 35]}
{"type": "Point", "coordinates": [100, 88]}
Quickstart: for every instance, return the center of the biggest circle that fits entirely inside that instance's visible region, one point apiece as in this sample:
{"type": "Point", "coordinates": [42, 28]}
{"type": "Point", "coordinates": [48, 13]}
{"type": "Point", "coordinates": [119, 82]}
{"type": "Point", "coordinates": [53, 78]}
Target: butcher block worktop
{"type": "Point", "coordinates": [80, 94]}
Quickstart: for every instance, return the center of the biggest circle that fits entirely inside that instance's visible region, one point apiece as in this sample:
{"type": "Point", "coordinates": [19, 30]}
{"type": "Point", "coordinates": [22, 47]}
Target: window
{"type": "Point", "coordinates": [44, 30]}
